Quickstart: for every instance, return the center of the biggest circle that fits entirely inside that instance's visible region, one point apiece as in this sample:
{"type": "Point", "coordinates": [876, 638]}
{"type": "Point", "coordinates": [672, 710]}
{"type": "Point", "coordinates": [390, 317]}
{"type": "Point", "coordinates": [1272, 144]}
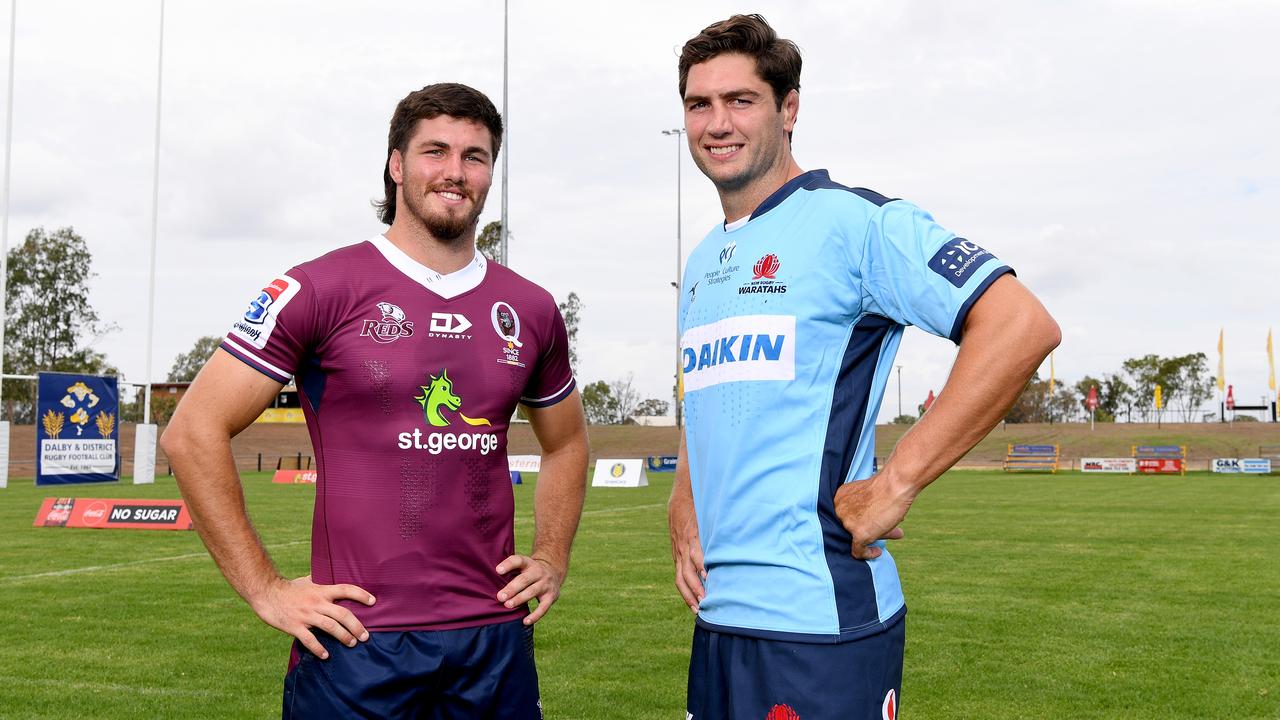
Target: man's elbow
{"type": "Point", "coordinates": [1044, 332]}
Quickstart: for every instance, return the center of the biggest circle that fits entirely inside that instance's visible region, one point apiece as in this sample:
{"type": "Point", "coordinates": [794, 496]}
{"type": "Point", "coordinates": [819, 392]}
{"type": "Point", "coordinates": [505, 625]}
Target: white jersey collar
{"type": "Point", "coordinates": [446, 286]}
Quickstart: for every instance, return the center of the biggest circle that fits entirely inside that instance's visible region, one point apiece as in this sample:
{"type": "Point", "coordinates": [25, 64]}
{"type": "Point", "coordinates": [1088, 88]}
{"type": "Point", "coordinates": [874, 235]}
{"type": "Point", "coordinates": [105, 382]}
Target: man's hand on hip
{"type": "Point", "coordinates": [297, 606]}
{"type": "Point", "coordinates": [537, 579]}
{"type": "Point", "coordinates": [871, 510]}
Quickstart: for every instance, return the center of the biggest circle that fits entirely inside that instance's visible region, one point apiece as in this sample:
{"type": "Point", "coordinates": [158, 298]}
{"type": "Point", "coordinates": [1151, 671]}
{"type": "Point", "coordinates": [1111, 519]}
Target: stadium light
{"type": "Point", "coordinates": [899, 391]}
{"type": "Point", "coordinates": [676, 133]}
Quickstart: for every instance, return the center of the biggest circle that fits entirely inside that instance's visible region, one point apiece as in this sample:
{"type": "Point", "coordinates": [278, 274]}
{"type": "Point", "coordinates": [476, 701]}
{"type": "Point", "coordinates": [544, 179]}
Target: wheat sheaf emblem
{"type": "Point", "coordinates": [53, 422]}
{"type": "Point", "coordinates": [106, 423]}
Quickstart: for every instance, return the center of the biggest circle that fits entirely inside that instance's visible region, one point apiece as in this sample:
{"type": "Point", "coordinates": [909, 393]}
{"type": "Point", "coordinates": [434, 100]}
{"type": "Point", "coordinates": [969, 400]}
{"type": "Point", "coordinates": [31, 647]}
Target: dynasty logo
{"type": "Point", "coordinates": [390, 328]}
{"type": "Point", "coordinates": [436, 399]}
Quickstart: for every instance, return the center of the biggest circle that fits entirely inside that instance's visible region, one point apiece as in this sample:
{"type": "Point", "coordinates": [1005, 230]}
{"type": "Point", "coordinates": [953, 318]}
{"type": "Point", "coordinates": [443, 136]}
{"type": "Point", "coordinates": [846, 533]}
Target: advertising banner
{"type": "Point", "coordinates": [1160, 466]}
{"type": "Point", "coordinates": [1226, 465]}
{"type": "Point", "coordinates": [661, 463]}
{"type": "Point", "coordinates": [111, 514]}
{"type": "Point", "coordinates": [77, 429]}
{"type": "Point", "coordinates": [1108, 465]}
{"type": "Point", "coordinates": [620, 473]}
{"type": "Point", "coordinates": [294, 477]}
{"type": "Point", "coordinates": [524, 463]}
{"type": "Point", "coordinates": [1255, 465]}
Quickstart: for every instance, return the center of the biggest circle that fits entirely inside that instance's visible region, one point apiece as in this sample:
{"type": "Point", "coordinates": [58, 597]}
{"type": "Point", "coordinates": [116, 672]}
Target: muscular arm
{"type": "Point", "coordinates": [224, 399]}
{"type": "Point", "coordinates": [557, 507]}
{"type": "Point", "coordinates": [1007, 334]}
{"type": "Point", "coordinates": [686, 544]}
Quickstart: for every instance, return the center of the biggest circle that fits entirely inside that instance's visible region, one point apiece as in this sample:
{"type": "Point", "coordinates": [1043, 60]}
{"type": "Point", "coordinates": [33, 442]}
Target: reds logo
{"type": "Point", "coordinates": [766, 267]}
{"type": "Point", "coordinates": [390, 328]}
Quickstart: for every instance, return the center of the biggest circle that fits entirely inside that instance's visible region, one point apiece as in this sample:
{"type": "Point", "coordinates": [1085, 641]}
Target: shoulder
{"type": "Point", "coordinates": [337, 262]}
{"type": "Point", "coordinates": [517, 286]}
{"type": "Point", "coordinates": [861, 198]}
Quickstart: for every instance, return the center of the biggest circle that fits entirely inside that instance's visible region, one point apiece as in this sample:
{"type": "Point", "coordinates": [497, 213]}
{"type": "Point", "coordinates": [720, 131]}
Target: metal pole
{"type": "Point", "coordinates": [899, 391]}
{"type": "Point", "coordinates": [506, 130]}
{"type": "Point", "coordinates": [155, 224]}
{"type": "Point", "coordinates": [4, 230]}
{"type": "Point", "coordinates": [677, 133]}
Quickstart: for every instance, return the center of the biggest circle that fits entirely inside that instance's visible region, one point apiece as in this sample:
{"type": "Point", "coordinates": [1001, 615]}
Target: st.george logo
{"type": "Point", "coordinates": [439, 395]}
{"type": "Point", "coordinates": [390, 328]}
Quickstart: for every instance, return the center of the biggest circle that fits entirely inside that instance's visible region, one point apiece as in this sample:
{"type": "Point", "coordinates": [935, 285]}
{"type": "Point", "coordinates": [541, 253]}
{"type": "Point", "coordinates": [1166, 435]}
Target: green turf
{"type": "Point", "coordinates": [1031, 596]}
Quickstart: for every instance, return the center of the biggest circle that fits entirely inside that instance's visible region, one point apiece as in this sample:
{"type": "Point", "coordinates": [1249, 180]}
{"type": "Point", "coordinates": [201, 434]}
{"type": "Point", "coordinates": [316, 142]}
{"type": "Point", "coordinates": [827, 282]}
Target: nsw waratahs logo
{"type": "Point", "coordinates": [390, 328]}
{"type": "Point", "coordinates": [764, 277]}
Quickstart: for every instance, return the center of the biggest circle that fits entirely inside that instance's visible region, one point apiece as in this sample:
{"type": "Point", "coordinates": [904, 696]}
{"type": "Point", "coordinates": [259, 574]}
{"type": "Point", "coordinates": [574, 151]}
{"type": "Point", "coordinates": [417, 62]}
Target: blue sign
{"type": "Point", "coordinates": [661, 463]}
{"type": "Point", "coordinates": [1255, 465]}
{"type": "Point", "coordinates": [77, 429]}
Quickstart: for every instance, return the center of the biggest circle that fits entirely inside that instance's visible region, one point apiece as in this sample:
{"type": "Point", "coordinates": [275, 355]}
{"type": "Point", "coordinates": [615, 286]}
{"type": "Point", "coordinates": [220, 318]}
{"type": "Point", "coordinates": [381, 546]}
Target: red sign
{"type": "Point", "coordinates": [133, 514]}
{"type": "Point", "coordinates": [1160, 465]}
{"type": "Point", "coordinates": [1092, 401]}
{"type": "Point", "coordinates": [1231, 399]}
{"type": "Point", "coordinates": [928, 401]}
{"type": "Point", "coordinates": [294, 477]}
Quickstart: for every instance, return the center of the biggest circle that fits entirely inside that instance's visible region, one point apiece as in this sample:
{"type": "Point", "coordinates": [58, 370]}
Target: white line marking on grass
{"type": "Point", "coordinates": [116, 566]}
{"type": "Point", "coordinates": [11, 681]}
{"type": "Point", "coordinates": [611, 511]}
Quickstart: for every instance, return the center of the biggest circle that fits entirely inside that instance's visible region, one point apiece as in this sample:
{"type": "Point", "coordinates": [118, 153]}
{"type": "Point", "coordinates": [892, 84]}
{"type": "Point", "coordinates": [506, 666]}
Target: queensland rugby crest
{"type": "Point", "coordinates": [506, 323]}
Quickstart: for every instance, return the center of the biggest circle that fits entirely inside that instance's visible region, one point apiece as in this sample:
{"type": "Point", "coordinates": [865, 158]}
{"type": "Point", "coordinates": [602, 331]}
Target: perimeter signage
{"type": "Point", "coordinates": [1108, 465]}
{"type": "Point", "coordinates": [112, 514]}
{"type": "Point", "coordinates": [294, 477]}
{"type": "Point", "coordinates": [77, 429]}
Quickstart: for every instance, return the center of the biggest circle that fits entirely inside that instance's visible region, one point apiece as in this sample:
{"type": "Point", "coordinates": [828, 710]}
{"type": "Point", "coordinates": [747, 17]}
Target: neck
{"type": "Point", "coordinates": [413, 238]}
{"type": "Point", "coordinates": [740, 203]}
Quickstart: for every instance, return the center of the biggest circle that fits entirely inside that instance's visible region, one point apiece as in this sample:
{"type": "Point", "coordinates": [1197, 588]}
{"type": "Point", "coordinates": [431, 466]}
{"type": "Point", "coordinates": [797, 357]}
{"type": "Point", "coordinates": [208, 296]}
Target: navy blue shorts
{"type": "Point", "coordinates": [735, 677]}
{"type": "Point", "coordinates": [479, 672]}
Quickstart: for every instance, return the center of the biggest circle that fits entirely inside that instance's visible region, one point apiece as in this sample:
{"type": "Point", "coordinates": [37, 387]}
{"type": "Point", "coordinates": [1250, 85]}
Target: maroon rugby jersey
{"type": "Point", "coordinates": [409, 379]}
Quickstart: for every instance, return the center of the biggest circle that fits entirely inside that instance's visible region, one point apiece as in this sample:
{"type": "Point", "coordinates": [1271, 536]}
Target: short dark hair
{"type": "Point", "coordinates": [777, 60]}
{"type": "Point", "coordinates": [452, 99]}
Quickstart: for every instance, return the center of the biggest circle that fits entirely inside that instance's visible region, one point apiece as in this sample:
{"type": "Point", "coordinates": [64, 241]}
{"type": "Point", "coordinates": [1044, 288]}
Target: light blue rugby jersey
{"type": "Point", "coordinates": [789, 324]}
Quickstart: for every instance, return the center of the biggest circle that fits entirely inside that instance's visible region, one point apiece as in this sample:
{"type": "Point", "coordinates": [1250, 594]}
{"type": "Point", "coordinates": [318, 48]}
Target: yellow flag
{"type": "Point", "coordinates": [1159, 397]}
{"type": "Point", "coordinates": [1222, 368]}
{"type": "Point", "coordinates": [1271, 364]}
{"type": "Point", "coordinates": [1051, 373]}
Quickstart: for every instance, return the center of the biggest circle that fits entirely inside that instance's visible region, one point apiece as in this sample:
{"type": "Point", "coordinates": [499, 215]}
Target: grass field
{"type": "Point", "coordinates": [1030, 596]}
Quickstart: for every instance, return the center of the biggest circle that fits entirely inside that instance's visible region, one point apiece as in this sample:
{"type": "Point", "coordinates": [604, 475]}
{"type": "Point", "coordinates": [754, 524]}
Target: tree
{"type": "Point", "coordinates": [1115, 396]}
{"type": "Point", "coordinates": [626, 398]}
{"type": "Point", "coordinates": [598, 403]}
{"type": "Point", "coordinates": [1036, 404]}
{"type": "Point", "coordinates": [905, 419]}
{"type": "Point", "coordinates": [571, 310]}
{"type": "Point", "coordinates": [49, 322]}
{"type": "Point", "coordinates": [489, 242]}
{"type": "Point", "coordinates": [186, 365]}
{"type": "Point", "coordinates": [1184, 381]}
{"type": "Point", "coordinates": [653, 407]}
{"type": "Point", "coordinates": [1082, 391]}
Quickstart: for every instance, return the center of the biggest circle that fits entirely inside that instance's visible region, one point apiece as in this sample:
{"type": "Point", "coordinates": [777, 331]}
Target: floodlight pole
{"type": "Point", "coordinates": [899, 391]}
{"type": "Point", "coordinates": [4, 225]}
{"type": "Point", "coordinates": [677, 132]}
{"type": "Point", "coordinates": [506, 130]}
{"type": "Point", "coordinates": [155, 224]}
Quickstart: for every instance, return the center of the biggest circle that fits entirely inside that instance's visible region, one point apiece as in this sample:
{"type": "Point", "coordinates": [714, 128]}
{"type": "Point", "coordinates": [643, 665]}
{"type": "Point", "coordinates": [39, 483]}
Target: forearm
{"type": "Point", "coordinates": [681, 513]}
{"type": "Point", "coordinates": [205, 470]}
{"type": "Point", "coordinates": [558, 503]}
{"type": "Point", "coordinates": [996, 359]}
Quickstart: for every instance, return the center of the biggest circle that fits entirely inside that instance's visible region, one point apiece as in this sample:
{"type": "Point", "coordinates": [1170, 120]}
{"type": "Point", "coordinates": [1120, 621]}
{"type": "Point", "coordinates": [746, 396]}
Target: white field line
{"type": "Point", "coordinates": [189, 556]}
{"type": "Point", "coordinates": [116, 566]}
{"type": "Point", "coordinates": [12, 681]}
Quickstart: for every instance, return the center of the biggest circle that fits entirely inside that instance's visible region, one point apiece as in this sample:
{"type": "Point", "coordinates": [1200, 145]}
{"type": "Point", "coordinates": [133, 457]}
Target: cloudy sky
{"type": "Point", "coordinates": [1122, 156]}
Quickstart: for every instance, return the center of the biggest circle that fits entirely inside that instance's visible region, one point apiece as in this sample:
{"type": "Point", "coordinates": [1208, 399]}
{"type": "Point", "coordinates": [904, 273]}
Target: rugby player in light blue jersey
{"type": "Point", "coordinates": [791, 314]}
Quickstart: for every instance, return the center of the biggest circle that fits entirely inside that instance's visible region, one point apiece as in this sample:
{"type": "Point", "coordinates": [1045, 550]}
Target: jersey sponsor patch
{"type": "Point", "coordinates": [737, 349]}
{"type": "Point", "coordinates": [260, 319]}
{"type": "Point", "coordinates": [958, 260]}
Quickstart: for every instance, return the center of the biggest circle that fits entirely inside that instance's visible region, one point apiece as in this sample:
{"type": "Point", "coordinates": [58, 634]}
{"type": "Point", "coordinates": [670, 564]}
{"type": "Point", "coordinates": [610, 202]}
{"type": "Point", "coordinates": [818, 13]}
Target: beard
{"type": "Point", "coordinates": [448, 226]}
